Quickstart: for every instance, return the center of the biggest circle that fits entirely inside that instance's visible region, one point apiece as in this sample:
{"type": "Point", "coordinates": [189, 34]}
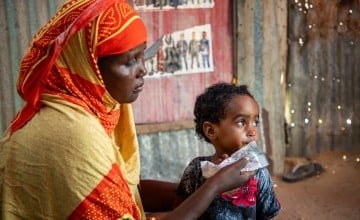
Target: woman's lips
{"type": "Point", "coordinates": [139, 88]}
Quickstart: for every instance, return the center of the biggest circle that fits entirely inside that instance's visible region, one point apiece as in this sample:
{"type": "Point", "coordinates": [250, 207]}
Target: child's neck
{"type": "Point", "coordinates": [217, 158]}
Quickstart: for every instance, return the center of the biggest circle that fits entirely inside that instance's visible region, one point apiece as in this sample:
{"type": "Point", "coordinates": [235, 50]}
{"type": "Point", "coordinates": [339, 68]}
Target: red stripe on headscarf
{"type": "Point", "coordinates": [125, 41]}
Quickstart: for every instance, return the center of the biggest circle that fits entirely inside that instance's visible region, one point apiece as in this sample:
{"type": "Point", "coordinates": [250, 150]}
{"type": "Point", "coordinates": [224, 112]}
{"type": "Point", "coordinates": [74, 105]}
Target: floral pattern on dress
{"type": "Point", "coordinates": [242, 205]}
{"type": "Point", "coordinates": [245, 196]}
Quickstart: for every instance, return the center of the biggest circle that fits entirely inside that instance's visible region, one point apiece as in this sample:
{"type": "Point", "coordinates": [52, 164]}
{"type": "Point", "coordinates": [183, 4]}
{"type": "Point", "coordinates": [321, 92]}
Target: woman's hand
{"type": "Point", "coordinates": [231, 177]}
{"type": "Point", "coordinates": [226, 179]}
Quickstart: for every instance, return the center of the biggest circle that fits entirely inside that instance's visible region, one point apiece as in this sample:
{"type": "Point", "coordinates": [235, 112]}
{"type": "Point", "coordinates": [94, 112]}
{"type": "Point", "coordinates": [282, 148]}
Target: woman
{"type": "Point", "coordinates": [72, 151]}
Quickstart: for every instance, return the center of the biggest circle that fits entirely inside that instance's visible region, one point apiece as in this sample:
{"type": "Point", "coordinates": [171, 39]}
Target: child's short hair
{"type": "Point", "coordinates": [210, 105]}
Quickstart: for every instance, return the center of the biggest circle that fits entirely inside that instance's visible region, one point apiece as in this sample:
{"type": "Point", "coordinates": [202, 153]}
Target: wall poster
{"type": "Point", "coordinates": [194, 50]}
{"type": "Point", "coordinates": [182, 52]}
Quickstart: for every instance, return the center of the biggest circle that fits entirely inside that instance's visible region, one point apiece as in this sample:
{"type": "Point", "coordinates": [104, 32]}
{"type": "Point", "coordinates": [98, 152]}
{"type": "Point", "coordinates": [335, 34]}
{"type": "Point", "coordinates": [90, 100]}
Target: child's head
{"type": "Point", "coordinates": [226, 116]}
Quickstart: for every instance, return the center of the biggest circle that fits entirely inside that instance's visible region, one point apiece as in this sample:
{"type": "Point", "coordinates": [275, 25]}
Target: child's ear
{"type": "Point", "coordinates": [209, 130]}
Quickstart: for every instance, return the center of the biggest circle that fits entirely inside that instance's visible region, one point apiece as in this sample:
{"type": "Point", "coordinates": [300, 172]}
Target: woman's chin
{"type": "Point", "coordinates": [133, 97]}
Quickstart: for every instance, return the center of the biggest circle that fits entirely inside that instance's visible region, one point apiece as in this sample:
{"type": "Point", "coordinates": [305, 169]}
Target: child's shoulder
{"type": "Point", "coordinates": [201, 158]}
{"type": "Point", "coordinates": [262, 172]}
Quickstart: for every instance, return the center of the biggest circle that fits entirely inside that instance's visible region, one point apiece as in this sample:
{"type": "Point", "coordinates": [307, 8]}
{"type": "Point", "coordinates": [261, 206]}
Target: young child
{"type": "Point", "coordinates": [227, 116]}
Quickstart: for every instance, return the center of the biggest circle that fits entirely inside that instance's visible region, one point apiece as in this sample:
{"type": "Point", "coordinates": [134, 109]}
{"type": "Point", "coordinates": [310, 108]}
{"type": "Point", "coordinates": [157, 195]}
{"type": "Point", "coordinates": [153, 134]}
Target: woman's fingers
{"type": "Point", "coordinates": [231, 177]}
{"type": "Point", "coordinates": [241, 163]}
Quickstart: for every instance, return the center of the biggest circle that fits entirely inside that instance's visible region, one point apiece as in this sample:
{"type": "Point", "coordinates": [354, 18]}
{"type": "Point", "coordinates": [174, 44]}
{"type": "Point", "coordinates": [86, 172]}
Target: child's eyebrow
{"type": "Point", "coordinates": [243, 115]}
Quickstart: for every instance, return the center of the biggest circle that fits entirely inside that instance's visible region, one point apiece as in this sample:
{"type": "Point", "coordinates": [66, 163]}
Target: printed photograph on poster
{"type": "Point", "coordinates": [172, 4]}
{"type": "Point", "coordinates": [183, 52]}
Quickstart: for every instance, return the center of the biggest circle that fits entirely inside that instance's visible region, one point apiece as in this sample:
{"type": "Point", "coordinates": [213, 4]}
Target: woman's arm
{"type": "Point", "coordinates": [226, 179]}
{"type": "Point", "coordinates": [158, 196]}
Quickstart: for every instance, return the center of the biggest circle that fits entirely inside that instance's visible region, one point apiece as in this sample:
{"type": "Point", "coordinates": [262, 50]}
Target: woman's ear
{"type": "Point", "coordinates": [209, 130]}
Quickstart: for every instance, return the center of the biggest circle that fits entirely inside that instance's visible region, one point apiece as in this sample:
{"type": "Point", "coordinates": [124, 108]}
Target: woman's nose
{"type": "Point", "coordinates": [143, 71]}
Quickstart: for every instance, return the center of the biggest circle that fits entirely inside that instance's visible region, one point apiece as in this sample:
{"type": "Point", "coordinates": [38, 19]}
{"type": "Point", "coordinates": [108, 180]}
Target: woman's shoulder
{"type": "Point", "coordinates": [52, 129]}
{"type": "Point", "coordinates": [76, 122]}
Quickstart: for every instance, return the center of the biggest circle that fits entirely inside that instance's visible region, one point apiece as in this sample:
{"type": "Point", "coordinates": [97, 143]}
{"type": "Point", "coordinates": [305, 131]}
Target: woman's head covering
{"type": "Point", "coordinates": [61, 64]}
{"type": "Point", "coordinates": [62, 58]}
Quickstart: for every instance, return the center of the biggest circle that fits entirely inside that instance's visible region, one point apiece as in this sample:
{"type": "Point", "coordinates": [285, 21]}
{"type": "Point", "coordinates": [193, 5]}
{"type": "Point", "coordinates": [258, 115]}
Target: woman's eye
{"type": "Point", "coordinates": [136, 60]}
{"type": "Point", "coordinates": [132, 62]}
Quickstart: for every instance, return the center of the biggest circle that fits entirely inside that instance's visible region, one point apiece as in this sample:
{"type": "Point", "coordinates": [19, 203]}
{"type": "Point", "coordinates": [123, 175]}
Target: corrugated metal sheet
{"type": "Point", "coordinates": [308, 78]}
{"type": "Point", "coordinates": [261, 63]}
{"type": "Point", "coordinates": [19, 21]}
{"type": "Point", "coordinates": [164, 155]}
{"type": "Point", "coordinates": [173, 96]}
{"type": "Point", "coordinates": [323, 76]}
{"type": "Point", "coordinates": [268, 59]}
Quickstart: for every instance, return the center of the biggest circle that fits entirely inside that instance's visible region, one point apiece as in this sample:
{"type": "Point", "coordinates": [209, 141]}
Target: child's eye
{"type": "Point", "coordinates": [242, 123]}
{"type": "Point", "coordinates": [256, 123]}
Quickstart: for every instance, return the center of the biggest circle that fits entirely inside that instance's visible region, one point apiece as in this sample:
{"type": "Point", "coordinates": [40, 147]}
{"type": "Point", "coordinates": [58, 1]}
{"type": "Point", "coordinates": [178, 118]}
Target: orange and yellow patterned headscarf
{"type": "Point", "coordinates": [61, 64]}
{"type": "Point", "coordinates": [62, 59]}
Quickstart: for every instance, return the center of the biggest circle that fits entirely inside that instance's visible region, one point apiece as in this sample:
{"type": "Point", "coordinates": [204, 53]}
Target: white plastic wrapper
{"type": "Point", "coordinates": [257, 159]}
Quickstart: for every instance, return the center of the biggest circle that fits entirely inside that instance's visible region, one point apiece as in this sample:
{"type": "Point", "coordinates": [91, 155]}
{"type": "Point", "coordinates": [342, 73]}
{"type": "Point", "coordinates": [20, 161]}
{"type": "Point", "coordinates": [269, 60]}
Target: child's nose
{"type": "Point", "coordinates": [251, 131]}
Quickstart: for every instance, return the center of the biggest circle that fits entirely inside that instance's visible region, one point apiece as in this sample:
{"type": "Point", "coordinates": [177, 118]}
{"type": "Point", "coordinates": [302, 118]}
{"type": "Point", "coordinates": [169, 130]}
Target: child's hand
{"type": "Point", "coordinates": [231, 177]}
